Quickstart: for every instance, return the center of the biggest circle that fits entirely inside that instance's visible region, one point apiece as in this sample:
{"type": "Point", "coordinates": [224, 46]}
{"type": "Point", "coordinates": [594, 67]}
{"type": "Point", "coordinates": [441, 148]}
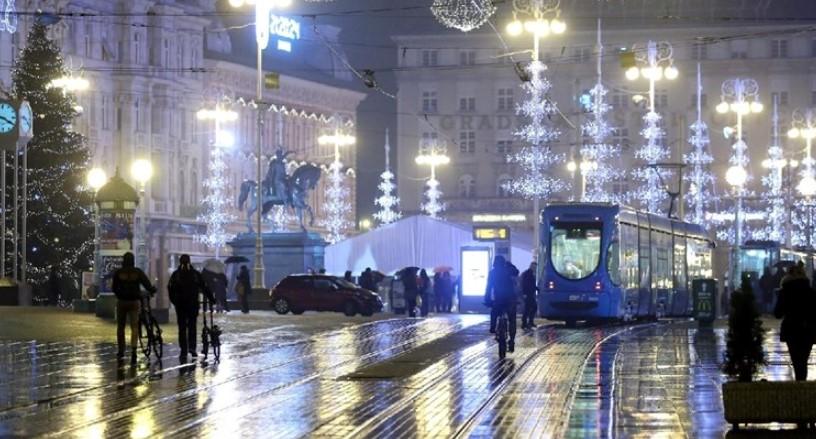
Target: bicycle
{"type": "Point", "coordinates": [150, 333]}
{"type": "Point", "coordinates": [210, 334]}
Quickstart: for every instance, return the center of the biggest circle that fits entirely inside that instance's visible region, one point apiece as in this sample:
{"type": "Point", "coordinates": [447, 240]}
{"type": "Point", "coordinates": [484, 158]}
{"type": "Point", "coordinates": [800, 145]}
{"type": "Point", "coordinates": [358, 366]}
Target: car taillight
{"type": "Point", "coordinates": [598, 286]}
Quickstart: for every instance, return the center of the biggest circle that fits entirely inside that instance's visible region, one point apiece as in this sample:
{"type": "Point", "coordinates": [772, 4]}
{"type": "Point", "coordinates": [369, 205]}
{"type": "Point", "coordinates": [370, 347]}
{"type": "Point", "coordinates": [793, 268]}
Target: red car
{"type": "Point", "coordinates": [307, 292]}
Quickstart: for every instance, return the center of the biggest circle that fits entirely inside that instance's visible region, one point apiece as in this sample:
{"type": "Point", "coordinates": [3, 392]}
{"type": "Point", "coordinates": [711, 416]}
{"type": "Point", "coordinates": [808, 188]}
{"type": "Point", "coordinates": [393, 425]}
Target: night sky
{"type": "Point", "coordinates": [368, 25]}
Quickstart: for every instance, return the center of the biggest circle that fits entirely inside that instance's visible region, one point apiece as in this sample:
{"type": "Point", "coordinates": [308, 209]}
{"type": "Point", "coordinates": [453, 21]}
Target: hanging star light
{"type": "Point", "coordinates": [464, 15]}
{"type": "Point", "coordinates": [387, 201]}
{"type": "Point", "coordinates": [536, 158]}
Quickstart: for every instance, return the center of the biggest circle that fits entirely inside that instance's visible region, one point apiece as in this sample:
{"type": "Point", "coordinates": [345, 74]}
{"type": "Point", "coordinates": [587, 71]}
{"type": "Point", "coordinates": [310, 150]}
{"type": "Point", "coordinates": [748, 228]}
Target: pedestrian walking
{"type": "Point", "coordinates": [767, 287]}
{"type": "Point", "coordinates": [367, 280]}
{"type": "Point", "coordinates": [243, 288]}
{"type": "Point", "coordinates": [348, 277]}
{"type": "Point", "coordinates": [439, 294]}
{"type": "Point", "coordinates": [529, 291]}
{"type": "Point", "coordinates": [410, 292]}
{"type": "Point", "coordinates": [447, 292]}
{"type": "Point", "coordinates": [424, 288]}
{"type": "Point", "coordinates": [127, 283]}
{"type": "Point", "coordinates": [217, 283]}
{"type": "Point", "coordinates": [500, 296]}
{"type": "Point", "coordinates": [796, 305]}
{"type": "Point", "coordinates": [185, 285]}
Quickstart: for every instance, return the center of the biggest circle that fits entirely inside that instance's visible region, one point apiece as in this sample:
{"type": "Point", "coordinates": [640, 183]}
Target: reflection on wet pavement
{"type": "Point", "coordinates": [651, 380]}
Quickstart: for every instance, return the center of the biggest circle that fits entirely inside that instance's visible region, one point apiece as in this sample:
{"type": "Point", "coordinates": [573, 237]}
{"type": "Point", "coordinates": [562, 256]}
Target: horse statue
{"type": "Point", "coordinates": [279, 189]}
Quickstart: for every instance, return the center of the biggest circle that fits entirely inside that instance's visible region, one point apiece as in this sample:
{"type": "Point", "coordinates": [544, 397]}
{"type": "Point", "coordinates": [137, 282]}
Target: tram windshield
{"type": "Point", "coordinates": [575, 249]}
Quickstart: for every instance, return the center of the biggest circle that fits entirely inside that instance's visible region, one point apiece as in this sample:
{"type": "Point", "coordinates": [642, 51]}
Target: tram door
{"type": "Point", "coordinates": [645, 296]}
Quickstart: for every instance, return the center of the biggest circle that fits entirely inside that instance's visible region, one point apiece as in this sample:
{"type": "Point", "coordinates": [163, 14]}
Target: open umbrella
{"type": "Point", "coordinates": [443, 269]}
{"type": "Point", "coordinates": [236, 260]}
{"type": "Point", "coordinates": [377, 276]}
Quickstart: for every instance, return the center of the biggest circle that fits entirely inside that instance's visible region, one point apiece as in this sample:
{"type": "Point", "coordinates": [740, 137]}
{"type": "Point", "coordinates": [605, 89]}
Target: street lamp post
{"type": "Point", "coordinates": [804, 127]}
{"type": "Point", "coordinates": [96, 179]}
{"type": "Point", "coordinates": [739, 96]}
{"type": "Point", "coordinates": [262, 23]}
{"type": "Point", "coordinates": [142, 171]}
{"type": "Point", "coordinates": [540, 19]}
{"type": "Point", "coordinates": [433, 158]}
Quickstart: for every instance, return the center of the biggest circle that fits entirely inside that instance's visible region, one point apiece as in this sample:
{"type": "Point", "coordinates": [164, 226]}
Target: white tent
{"type": "Point", "coordinates": [419, 241]}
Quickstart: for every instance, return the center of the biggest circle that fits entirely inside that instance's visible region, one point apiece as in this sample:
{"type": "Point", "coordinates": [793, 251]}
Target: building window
{"type": "Point", "coordinates": [181, 193]}
{"type": "Point", "coordinates": [782, 97]}
{"type": "Point", "coordinates": [582, 54]}
{"type": "Point", "coordinates": [105, 112]}
{"type": "Point", "coordinates": [427, 142]}
{"type": "Point", "coordinates": [620, 136]}
{"type": "Point", "coordinates": [620, 100]}
{"type": "Point", "coordinates": [703, 100]}
{"type": "Point", "coordinates": [430, 58]}
{"type": "Point", "coordinates": [138, 114]}
{"type": "Point", "coordinates": [137, 48]}
{"type": "Point", "coordinates": [504, 146]}
{"type": "Point", "coordinates": [699, 51]}
{"type": "Point", "coordinates": [166, 53]}
{"type": "Point", "coordinates": [88, 43]}
{"type": "Point", "coordinates": [467, 186]}
{"type": "Point", "coordinates": [429, 103]}
{"type": "Point", "coordinates": [467, 57]}
{"type": "Point", "coordinates": [620, 188]}
{"type": "Point", "coordinates": [661, 99]}
{"type": "Point", "coordinates": [505, 99]}
{"type": "Point", "coordinates": [467, 104]}
{"type": "Point", "coordinates": [503, 186]}
{"type": "Point", "coordinates": [779, 48]}
{"type": "Point", "coordinates": [467, 142]}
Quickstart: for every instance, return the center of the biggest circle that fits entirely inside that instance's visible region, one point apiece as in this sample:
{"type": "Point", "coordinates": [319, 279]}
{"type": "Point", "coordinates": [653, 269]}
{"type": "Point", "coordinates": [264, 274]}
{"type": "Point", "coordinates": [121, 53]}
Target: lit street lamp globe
{"type": "Point", "coordinates": [96, 178]}
{"type": "Point", "coordinates": [736, 176]}
{"type": "Point", "coordinates": [807, 187]}
{"type": "Point", "coordinates": [142, 171]}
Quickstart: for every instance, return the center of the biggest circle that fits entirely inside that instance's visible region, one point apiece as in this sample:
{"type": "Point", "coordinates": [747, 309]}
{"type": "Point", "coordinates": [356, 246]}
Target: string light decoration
{"type": "Point", "coordinates": [803, 123]}
{"type": "Point", "coordinates": [774, 195]}
{"type": "Point", "coordinates": [464, 15]}
{"type": "Point", "coordinates": [699, 160]}
{"type": "Point", "coordinates": [598, 157]}
{"type": "Point", "coordinates": [433, 156]}
{"type": "Point", "coordinates": [387, 201]}
{"type": "Point", "coordinates": [337, 205]}
{"type": "Point", "coordinates": [216, 203]}
{"type": "Point", "coordinates": [535, 158]}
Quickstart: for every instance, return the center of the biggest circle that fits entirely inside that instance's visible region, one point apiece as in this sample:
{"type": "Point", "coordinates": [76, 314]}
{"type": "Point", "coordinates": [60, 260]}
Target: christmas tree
{"type": "Point", "coordinates": [216, 214]}
{"type": "Point", "coordinates": [60, 227]}
{"type": "Point", "coordinates": [387, 201]}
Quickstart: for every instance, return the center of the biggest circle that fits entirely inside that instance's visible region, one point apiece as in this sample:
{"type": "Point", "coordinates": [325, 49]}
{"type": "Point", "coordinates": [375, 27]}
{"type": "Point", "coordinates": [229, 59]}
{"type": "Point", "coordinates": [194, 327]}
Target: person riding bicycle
{"type": "Point", "coordinates": [127, 283]}
{"type": "Point", "coordinates": [185, 284]}
{"type": "Point", "coordinates": [500, 296]}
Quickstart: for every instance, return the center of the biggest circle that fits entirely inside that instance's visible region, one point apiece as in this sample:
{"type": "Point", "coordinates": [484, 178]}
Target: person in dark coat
{"type": "Point", "coordinates": [767, 286]}
{"type": "Point", "coordinates": [348, 277]}
{"type": "Point", "coordinates": [500, 296]}
{"type": "Point", "coordinates": [367, 280]}
{"type": "Point", "coordinates": [185, 285]}
{"type": "Point", "coordinates": [424, 288]}
{"type": "Point", "coordinates": [127, 283]}
{"type": "Point", "coordinates": [409, 287]}
{"type": "Point", "coordinates": [795, 306]}
{"type": "Point", "coordinates": [447, 292]}
{"type": "Point", "coordinates": [243, 288]}
{"type": "Point", "coordinates": [217, 283]}
{"type": "Point", "coordinates": [529, 291]}
{"type": "Point", "coordinates": [439, 294]}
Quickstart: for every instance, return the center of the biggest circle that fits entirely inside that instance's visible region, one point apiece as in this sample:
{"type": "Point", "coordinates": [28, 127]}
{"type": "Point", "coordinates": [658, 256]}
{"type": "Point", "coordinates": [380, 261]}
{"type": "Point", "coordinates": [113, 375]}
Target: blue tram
{"type": "Point", "coordinates": [606, 261]}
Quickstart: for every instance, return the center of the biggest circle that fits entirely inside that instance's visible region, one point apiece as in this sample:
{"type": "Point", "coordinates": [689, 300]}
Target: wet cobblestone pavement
{"type": "Point", "coordinates": [650, 380]}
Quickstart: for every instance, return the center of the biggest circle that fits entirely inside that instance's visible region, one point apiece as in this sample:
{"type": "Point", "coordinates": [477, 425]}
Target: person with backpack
{"type": "Point", "coordinates": [185, 285]}
{"type": "Point", "coordinates": [796, 306]}
{"type": "Point", "coordinates": [127, 284]}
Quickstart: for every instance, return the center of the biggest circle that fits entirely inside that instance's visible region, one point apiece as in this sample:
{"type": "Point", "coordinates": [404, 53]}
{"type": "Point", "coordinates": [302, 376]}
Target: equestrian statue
{"type": "Point", "coordinates": [279, 189]}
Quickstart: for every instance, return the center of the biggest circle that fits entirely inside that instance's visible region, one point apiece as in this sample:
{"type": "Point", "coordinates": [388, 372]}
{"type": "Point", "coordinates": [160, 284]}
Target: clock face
{"type": "Point", "coordinates": [8, 117]}
{"type": "Point", "coordinates": [26, 118]}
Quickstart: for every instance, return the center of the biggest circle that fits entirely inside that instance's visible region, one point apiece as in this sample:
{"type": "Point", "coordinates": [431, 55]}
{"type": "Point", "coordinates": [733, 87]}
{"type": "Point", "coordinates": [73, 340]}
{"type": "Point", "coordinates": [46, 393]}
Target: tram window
{"type": "Point", "coordinates": [575, 249]}
{"type": "Point", "coordinates": [754, 260]}
{"type": "Point", "coordinates": [661, 278]}
{"type": "Point", "coordinates": [680, 262]}
{"type": "Point", "coordinates": [613, 262]}
{"type": "Point", "coordinates": [629, 256]}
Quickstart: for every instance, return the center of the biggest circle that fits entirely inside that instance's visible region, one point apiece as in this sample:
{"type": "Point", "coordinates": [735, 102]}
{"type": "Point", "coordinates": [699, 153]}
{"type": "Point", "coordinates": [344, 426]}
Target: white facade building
{"type": "Point", "coordinates": [152, 65]}
{"type": "Point", "coordinates": [467, 88]}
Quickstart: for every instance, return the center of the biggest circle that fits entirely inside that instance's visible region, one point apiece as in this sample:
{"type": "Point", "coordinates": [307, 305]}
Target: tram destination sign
{"type": "Point", "coordinates": [491, 233]}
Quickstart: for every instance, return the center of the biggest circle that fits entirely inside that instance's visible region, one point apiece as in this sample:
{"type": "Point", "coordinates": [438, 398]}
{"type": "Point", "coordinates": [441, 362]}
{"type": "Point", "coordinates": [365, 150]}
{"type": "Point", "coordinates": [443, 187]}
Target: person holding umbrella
{"type": "Point", "coordinates": [216, 280]}
{"type": "Point", "coordinates": [409, 284]}
{"type": "Point", "coordinates": [243, 288]}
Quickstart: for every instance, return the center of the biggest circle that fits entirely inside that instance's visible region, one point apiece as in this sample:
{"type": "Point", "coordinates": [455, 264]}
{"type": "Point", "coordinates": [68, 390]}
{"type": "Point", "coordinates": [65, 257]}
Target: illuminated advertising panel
{"type": "Point", "coordinates": [475, 268]}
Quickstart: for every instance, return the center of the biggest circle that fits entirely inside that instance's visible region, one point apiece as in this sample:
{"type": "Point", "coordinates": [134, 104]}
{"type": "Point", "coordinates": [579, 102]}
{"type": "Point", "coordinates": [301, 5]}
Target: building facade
{"type": "Point", "coordinates": [152, 65]}
{"type": "Point", "coordinates": [461, 91]}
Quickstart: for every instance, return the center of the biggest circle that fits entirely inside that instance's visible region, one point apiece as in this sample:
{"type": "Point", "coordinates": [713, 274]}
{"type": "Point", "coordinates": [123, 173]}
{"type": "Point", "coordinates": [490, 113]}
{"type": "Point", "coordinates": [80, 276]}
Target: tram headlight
{"type": "Point", "coordinates": [597, 285]}
{"type": "Point", "coordinates": [551, 285]}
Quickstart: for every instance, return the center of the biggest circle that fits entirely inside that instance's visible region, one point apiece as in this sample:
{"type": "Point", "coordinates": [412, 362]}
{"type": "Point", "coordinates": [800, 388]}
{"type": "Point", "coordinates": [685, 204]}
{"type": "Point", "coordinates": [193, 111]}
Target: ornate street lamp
{"type": "Point", "coordinates": [739, 96]}
{"type": "Point", "coordinates": [433, 158]}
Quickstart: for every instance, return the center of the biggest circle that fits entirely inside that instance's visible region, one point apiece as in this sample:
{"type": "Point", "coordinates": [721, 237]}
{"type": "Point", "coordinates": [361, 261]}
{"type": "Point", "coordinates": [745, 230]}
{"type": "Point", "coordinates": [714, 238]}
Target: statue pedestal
{"type": "Point", "coordinates": [284, 254]}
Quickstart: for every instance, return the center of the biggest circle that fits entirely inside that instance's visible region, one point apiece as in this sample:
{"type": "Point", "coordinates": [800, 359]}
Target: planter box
{"type": "Point", "coordinates": [769, 401]}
